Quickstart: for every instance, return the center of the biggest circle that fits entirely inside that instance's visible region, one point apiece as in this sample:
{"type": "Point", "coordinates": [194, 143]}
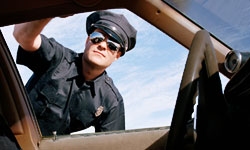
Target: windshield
{"type": "Point", "coordinates": [228, 20]}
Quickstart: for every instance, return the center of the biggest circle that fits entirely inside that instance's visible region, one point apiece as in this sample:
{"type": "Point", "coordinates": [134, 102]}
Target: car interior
{"type": "Point", "coordinates": [218, 113]}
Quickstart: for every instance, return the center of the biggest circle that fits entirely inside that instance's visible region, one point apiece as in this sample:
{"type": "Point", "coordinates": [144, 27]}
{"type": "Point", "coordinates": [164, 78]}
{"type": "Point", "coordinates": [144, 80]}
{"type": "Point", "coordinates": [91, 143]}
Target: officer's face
{"type": "Point", "coordinates": [100, 54]}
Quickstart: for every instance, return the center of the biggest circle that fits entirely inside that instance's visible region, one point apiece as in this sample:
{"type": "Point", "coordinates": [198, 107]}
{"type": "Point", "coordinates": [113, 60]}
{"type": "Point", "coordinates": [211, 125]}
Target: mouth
{"type": "Point", "coordinates": [99, 53]}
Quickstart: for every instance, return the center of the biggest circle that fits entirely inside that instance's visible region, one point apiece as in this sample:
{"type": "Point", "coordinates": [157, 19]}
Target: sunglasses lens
{"type": "Point", "coordinates": [96, 37]}
{"type": "Point", "coordinates": [113, 46]}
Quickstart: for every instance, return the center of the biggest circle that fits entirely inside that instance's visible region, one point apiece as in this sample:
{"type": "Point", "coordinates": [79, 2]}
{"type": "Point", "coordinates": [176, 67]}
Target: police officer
{"type": "Point", "coordinates": [70, 91]}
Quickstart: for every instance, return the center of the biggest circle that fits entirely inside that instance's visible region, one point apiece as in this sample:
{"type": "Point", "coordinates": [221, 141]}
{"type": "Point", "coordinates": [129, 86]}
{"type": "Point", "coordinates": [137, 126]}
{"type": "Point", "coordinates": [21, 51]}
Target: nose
{"type": "Point", "coordinates": [102, 46]}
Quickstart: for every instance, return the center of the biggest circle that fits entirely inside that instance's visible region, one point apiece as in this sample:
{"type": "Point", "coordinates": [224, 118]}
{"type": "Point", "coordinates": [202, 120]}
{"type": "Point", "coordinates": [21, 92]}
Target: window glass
{"type": "Point", "coordinates": [228, 20]}
{"type": "Point", "coordinates": [148, 77]}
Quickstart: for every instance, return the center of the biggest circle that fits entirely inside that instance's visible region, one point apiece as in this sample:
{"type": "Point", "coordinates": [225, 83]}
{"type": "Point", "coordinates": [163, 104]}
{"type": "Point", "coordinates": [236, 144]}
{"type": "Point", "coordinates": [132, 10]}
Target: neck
{"type": "Point", "coordinates": [90, 71]}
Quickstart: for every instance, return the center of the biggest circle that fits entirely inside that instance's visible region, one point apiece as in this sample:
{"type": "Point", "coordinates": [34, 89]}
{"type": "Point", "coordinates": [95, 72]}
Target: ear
{"type": "Point", "coordinates": [119, 53]}
{"type": "Point", "coordinates": [86, 41]}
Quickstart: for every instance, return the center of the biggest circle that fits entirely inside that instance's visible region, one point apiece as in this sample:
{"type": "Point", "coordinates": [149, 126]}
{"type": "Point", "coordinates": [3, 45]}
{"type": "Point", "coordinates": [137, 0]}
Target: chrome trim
{"type": "Point", "coordinates": [238, 61]}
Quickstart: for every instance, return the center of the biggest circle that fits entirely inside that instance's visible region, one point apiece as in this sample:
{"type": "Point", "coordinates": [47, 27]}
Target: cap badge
{"type": "Point", "coordinates": [99, 111]}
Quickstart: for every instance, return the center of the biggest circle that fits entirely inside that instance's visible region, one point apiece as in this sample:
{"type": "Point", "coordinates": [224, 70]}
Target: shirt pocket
{"type": "Point", "coordinates": [54, 103]}
{"type": "Point", "coordinates": [83, 108]}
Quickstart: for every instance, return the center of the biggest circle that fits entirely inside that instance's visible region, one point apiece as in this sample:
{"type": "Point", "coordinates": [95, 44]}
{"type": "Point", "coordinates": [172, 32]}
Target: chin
{"type": "Point", "coordinates": [97, 62]}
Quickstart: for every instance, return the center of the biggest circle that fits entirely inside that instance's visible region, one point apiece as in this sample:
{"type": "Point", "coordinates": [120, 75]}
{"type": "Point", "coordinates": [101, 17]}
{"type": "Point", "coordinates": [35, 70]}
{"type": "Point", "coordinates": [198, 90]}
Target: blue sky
{"type": "Point", "coordinates": [148, 77]}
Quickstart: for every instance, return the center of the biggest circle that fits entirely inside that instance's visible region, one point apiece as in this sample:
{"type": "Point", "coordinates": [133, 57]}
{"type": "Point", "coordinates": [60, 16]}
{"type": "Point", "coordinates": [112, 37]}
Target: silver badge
{"type": "Point", "coordinates": [99, 111]}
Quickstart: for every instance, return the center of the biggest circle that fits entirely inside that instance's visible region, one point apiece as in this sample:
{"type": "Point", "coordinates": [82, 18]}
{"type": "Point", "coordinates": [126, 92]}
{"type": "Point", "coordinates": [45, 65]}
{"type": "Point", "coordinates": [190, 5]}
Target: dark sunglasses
{"type": "Point", "coordinates": [97, 37]}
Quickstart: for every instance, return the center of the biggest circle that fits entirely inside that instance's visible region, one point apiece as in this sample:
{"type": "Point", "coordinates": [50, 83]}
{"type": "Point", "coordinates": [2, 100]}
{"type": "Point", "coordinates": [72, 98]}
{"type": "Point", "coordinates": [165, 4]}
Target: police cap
{"type": "Point", "coordinates": [115, 25]}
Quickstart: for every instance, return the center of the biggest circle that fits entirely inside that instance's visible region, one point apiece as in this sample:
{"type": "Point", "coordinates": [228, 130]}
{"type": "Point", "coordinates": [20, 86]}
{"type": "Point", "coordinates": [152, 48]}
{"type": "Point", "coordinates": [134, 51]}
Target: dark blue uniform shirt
{"type": "Point", "coordinates": [62, 100]}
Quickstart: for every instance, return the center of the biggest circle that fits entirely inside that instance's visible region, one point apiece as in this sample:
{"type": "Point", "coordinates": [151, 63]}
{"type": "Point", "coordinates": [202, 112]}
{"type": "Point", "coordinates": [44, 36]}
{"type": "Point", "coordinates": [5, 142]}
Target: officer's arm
{"type": "Point", "coordinates": [28, 34]}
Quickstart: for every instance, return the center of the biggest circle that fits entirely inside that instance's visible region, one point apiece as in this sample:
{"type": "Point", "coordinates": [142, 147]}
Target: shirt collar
{"type": "Point", "coordinates": [77, 74]}
{"type": "Point", "coordinates": [77, 70]}
{"type": "Point", "coordinates": [96, 83]}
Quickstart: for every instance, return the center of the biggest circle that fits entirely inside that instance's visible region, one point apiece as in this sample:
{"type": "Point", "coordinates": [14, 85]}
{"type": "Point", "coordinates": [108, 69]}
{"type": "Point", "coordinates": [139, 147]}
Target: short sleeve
{"type": "Point", "coordinates": [48, 54]}
{"type": "Point", "coordinates": [114, 120]}
{"type": "Point", "coordinates": [114, 117]}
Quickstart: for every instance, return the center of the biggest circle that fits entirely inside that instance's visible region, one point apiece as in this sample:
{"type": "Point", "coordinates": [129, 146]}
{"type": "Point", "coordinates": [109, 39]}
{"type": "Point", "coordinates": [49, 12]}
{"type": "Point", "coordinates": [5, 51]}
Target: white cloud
{"type": "Point", "coordinates": [149, 93]}
{"type": "Point", "coordinates": [11, 42]}
{"type": "Point", "coordinates": [7, 31]}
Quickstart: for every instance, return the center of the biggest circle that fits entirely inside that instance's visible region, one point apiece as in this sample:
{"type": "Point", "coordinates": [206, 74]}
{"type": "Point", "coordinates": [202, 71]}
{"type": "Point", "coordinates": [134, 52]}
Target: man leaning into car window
{"type": "Point", "coordinates": [70, 91]}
